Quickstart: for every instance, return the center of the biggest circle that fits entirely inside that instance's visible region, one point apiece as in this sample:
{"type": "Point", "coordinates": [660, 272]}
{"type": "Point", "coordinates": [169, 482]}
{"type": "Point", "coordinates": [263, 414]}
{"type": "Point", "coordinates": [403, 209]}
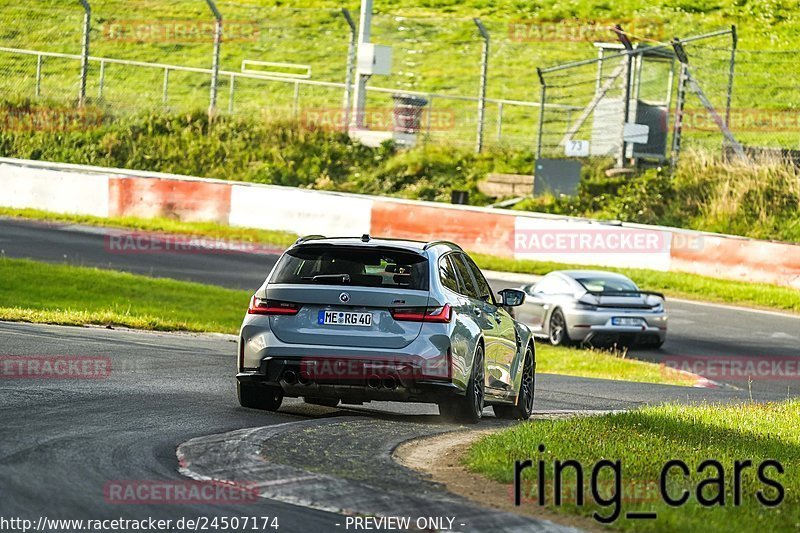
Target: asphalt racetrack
{"type": "Point", "coordinates": [64, 441]}
{"type": "Point", "coordinates": [696, 329]}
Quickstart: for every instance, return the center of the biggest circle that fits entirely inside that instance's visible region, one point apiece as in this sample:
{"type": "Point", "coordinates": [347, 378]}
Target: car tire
{"type": "Point", "coordinates": [469, 409]}
{"type": "Point", "coordinates": [324, 402]}
{"type": "Point", "coordinates": [256, 396]}
{"type": "Point", "coordinates": [524, 407]}
{"type": "Point", "coordinates": [558, 334]}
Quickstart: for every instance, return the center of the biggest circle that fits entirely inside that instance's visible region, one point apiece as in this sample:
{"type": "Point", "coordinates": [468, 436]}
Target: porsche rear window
{"type": "Point", "coordinates": [347, 265]}
{"type": "Point", "coordinates": [610, 285]}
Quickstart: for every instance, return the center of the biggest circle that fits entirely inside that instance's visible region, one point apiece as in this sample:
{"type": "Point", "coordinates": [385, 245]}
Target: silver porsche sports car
{"type": "Point", "coordinates": [594, 307]}
{"type": "Point", "coordinates": [353, 320]}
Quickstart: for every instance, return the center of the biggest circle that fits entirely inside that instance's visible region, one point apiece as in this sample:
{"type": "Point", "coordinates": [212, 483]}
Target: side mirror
{"type": "Point", "coordinates": [512, 297]}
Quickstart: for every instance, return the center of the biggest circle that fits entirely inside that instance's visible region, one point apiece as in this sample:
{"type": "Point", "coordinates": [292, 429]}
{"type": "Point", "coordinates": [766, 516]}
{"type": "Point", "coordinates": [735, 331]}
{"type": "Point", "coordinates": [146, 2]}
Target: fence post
{"type": "Point", "coordinates": [231, 89]}
{"type": "Point", "coordinates": [38, 75]}
{"type": "Point", "coordinates": [734, 42]}
{"type": "Point", "coordinates": [484, 69]}
{"type": "Point", "coordinates": [680, 101]}
{"type": "Point", "coordinates": [351, 62]}
{"type": "Point", "coordinates": [364, 30]}
{"type": "Point", "coordinates": [542, 98]}
{"type": "Point", "coordinates": [296, 100]}
{"type": "Point", "coordinates": [499, 121]}
{"type": "Point", "coordinates": [165, 86]}
{"type": "Point", "coordinates": [102, 79]}
{"type": "Point", "coordinates": [215, 60]}
{"type": "Point", "coordinates": [87, 22]}
{"type": "Point", "coordinates": [626, 105]}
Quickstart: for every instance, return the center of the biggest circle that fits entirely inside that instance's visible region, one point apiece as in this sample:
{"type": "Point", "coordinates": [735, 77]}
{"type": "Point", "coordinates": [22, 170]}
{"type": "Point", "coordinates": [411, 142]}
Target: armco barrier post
{"type": "Point", "coordinates": [482, 95]}
{"type": "Point", "coordinates": [215, 61]}
{"type": "Point", "coordinates": [87, 23]}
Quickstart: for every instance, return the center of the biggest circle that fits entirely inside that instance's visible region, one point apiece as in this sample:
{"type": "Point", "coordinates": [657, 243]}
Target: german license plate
{"type": "Point", "coordinates": [344, 318]}
{"type": "Point", "coordinates": [627, 321]}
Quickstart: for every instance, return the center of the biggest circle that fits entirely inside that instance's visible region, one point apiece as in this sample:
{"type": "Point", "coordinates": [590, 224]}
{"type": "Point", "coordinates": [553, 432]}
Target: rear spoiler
{"type": "Point", "coordinates": [625, 293]}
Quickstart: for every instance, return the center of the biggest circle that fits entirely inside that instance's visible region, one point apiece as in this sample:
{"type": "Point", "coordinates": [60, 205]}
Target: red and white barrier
{"type": "Point", "coordinates": [100, 191]}
{"type": "Point", "coordinates": [53, 190]}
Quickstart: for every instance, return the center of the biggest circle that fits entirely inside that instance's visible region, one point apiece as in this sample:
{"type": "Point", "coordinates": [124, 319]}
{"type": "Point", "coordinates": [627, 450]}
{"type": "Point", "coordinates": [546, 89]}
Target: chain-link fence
{"type": "Point", "coordinates": [637, 100]}
{"type": "Point", "coordinates": [277, 63]}
{"type": "Point", "coordinates": [654, 99]}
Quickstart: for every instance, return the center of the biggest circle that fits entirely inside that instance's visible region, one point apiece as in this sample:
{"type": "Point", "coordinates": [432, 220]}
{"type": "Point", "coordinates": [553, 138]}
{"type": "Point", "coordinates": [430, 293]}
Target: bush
{"type": "Point", "coordinates": [760, 199]}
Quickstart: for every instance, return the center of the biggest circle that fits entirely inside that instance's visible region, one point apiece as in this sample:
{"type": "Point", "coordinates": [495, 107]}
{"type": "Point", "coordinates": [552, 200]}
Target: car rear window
{"type": "Point", "coordinates": [611, 285]}
{"type": "Point", "coordinates": [348, 265]}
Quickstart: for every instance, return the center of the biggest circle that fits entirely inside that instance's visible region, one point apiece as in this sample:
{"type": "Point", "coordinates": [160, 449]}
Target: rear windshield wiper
{"type": "Point", "coordinates": [341, 278]}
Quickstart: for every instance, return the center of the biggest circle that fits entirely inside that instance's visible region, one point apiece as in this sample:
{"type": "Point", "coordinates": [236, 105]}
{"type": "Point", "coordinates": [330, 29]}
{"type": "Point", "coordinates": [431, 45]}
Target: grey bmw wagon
{"type": "Point", "coordinates": [354, 320]}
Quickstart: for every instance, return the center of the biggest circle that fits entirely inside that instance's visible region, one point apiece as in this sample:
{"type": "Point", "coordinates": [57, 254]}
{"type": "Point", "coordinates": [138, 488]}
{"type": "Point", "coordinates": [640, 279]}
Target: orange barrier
{"type": "Point", "coordinates": [190, 200]}
{"type": "Point", "coordinates": [475, 230]}
{"type": "Point", "coordinates": [737, 258]}
{"type": "Point", "coordinates": [485, 230]}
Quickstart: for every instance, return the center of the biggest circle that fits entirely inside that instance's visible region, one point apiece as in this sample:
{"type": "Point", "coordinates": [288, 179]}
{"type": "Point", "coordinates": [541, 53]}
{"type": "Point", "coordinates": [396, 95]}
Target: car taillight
{"type": "Point", "coordinates": [422, 314]}
{"type": "Point", "coordinates": [260, 306]}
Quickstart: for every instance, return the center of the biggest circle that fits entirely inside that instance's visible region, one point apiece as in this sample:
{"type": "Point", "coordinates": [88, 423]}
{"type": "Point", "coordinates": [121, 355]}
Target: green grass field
{"type": "Point", "coordinates": [644, 441]}
{"type": "Point", "coordinates": [68, 295]}
{"type": "Point", "coordinates": [63, 294]}
{"type": "Point", "coordinates": [436, 49]}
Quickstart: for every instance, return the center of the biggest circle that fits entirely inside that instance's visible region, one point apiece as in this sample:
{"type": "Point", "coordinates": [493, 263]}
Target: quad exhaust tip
{"type": "Point", "coordinates": [290, 377]}
{"type": "Point", "coordinates": [374, 382]}
{"type": "Point", "coordinates": [390, 383]}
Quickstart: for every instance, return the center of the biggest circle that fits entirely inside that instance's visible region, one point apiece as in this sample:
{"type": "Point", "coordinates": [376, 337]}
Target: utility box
{"type": "Point", "coordinates": [557, 177]}
{"type": "Point", "coordinates": [374, 59]}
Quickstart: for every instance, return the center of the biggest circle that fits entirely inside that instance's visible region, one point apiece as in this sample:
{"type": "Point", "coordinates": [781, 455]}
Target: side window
{"type": "Point", "coordinates": [466, 285]}
{"type": "Point", "coordinates": [552, 285]}
{"type": "Point", "coordinates": [484, 290]}
{"type": "Point", "coordinates": [447, 274]}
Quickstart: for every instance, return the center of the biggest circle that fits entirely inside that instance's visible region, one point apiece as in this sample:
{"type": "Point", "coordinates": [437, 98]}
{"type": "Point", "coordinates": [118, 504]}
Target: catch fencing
{"type": "Point", "coordinates": [478, 78]}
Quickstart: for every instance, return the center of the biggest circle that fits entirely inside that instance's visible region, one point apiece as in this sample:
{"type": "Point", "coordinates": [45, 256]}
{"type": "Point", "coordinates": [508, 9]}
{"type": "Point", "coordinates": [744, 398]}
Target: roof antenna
{"type": "Point", "coordinates": [365, 237]}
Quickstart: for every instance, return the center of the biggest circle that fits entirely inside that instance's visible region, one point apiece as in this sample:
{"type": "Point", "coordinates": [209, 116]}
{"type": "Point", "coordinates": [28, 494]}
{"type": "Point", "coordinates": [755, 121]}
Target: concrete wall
{"type": "Point", "coordinates": [113, 192]}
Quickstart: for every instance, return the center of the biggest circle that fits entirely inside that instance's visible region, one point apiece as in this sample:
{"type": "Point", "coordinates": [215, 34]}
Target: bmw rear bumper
{"type": "Point", "coordinates": [351, 380]}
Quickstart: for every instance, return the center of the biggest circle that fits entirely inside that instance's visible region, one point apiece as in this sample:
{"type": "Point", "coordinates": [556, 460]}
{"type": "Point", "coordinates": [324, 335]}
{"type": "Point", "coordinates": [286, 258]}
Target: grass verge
{"type": "Point", "coordinates": [61, 294]}
{"type": "Point", "coordinates": [161, 225]}
{"type": "Point", "coordinates": [644, 440]}
{"type": "Point", "coordinates": [593, 363]}
{"type": "Point", "coordinates": [675, 284]}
